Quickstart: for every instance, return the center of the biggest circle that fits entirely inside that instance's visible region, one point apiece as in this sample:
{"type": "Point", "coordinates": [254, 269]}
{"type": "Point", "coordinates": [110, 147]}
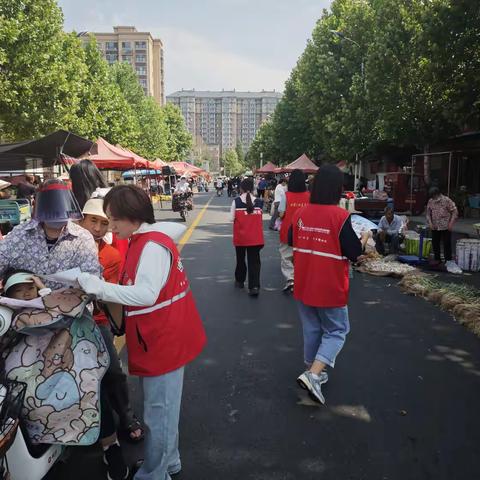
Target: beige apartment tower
{"type": "Point", "coordinates": [141, 50]}
{"type": "Point", "coordinates": [227, 118]}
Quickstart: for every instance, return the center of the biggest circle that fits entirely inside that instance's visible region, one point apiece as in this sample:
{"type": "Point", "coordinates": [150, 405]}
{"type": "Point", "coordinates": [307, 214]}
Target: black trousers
{"type": "Point", "coordinates": [107, 421]}
{"type": "Point", "coordinates": [253, 260]}
{"type": "Point", "coordinates": [439, 236]}
{"type": "Point", "coordinates": [115, 382]}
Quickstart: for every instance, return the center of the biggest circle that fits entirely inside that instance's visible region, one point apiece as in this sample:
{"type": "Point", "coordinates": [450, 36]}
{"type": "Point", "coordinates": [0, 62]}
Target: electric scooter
{"type": "Point", "coordinates": [19, 458]}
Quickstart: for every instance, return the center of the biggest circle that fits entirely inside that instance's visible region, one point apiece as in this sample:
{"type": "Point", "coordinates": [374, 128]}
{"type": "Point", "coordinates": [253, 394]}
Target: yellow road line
{"type": "Point", "coordinates": [188, 233]}
{"type": "Point", "coordinates": [119, 342]}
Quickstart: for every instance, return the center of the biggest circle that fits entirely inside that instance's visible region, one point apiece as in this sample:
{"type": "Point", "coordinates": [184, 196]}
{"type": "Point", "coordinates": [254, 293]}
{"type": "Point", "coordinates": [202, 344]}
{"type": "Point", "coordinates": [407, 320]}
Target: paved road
{"type": "Point", "coordinates": [402, 403]}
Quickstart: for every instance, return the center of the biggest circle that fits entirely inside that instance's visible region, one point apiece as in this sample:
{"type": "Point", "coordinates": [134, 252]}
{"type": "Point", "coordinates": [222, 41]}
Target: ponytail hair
{"type": "Point", "coordinates": [247, 187]}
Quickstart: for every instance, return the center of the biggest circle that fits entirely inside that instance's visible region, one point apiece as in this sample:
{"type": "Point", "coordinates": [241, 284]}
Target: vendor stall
{"type": "Point", "coordinates": [45, 152]}
{"type": "Point", "coordinates": [301, 163]}
{"type": "Point", "coordinates": [267, 168]}
{"type": "Point", "coordinates": [109, 157]}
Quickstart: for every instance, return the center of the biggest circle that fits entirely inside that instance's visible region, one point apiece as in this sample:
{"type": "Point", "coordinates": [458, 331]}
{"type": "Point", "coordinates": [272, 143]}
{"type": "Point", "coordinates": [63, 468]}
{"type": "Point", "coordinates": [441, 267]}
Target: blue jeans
{"type": "Point", "coordinates": [324, 332]}
{"type": "Point", "coordinates": [162, 396]}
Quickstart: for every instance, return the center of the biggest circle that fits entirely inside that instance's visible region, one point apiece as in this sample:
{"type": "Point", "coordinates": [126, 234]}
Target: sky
{"type": "Point", "coordinates": [246, 45]}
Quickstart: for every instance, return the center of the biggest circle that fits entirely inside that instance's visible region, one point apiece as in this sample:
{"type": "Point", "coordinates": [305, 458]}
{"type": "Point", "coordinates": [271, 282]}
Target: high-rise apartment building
{"type": "Point", "coordinates": [225, 118]}
{"type": "Point", "coordinates": [140, 50]}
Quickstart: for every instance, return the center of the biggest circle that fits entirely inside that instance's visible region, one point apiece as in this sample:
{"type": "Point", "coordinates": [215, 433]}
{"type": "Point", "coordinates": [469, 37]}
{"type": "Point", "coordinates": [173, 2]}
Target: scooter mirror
{"type": "Point", "coordinates": [6, 315]}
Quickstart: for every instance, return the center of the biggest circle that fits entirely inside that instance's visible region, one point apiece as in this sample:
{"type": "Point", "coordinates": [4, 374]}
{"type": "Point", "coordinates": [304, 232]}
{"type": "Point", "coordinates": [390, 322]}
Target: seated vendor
{"type": "Point", "coordinates": [389, 230]}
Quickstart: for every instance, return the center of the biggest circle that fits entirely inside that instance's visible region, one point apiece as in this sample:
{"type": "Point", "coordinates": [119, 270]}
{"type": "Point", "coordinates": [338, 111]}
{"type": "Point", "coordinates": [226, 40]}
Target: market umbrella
{"type": "Point", "coordinates": [184, 167]}
{"type": "Point", "coordinates": [301, 163]}
{"type": "Point", "coordinates": [42, 152]}
{"type": "Point", "coordinates": [109, 157]}
{"type": "Point", "coordinates": [267, 168]}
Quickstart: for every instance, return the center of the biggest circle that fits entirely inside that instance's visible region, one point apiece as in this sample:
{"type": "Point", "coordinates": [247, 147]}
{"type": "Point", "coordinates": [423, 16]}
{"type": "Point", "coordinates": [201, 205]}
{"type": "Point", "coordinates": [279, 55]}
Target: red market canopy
{"type": "Point", "coordinates": [267, 168]}
{"type": "Point", "coordinates": [183, 168]}
{"type": "Point", "coordinates": [301, 163]}
{"type": "Point", "coordinates": [109, 157]}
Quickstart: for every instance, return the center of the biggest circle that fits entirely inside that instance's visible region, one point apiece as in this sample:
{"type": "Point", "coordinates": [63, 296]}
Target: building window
{"type": "Point", "coordinates": [126, 45]}
{"type": "Point", "coordinates": [140, 58]}
{"type": "Point", "coordinates": [141, 45]}
{"type": "Point", "coordinates": [141, 70]}
{"type": "Point", "coordinates": [111, 57]}
{"type": "Point", "coordinates": [111, 46]}
{"type": "Point", "coordinates": [143, 82]}
{"type": "Point", "coordinates": [126, 58]}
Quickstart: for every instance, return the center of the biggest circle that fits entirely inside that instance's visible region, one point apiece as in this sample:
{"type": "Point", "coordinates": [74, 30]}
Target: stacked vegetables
{"type": "Point", "coordinates": [462, 300]}
{"type": "Point", "coordinates": [375, 264]}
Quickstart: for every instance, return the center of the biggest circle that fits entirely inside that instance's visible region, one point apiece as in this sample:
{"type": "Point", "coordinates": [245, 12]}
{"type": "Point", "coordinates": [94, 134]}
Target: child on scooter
{"type": "Point", "coordinates": [23, 285]}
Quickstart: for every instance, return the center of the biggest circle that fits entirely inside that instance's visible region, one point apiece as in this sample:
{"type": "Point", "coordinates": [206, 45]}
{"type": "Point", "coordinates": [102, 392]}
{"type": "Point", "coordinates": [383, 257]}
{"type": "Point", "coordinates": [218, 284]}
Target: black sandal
{"type": "Point", "coordinates": [132, 428]}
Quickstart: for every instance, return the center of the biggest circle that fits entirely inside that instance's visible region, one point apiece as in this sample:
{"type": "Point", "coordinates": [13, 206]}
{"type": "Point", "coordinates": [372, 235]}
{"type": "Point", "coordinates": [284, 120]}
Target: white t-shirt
{"type": "Point", "coordinates": [279, 193]}
{"type": "Point", "coordinates": [182, 187]}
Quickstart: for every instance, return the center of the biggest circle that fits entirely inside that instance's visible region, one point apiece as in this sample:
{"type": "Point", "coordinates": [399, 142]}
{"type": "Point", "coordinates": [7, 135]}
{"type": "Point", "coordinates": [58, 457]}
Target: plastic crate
{"type": "Point", "coordinates": [474, 201]}
{"type": "Point", "coordinates": [412, 245]}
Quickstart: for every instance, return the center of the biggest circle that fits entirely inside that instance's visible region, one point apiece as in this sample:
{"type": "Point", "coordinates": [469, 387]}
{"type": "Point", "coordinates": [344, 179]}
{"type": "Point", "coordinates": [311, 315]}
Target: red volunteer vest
{"type": "Point", "coordinates": [169, 334]}
{"type": "Point", "coordinates": [321, 272]}
{"type": "Point", "coordinates": [295, 200]}
{"type": "Point", "coordinates": [248, 228]}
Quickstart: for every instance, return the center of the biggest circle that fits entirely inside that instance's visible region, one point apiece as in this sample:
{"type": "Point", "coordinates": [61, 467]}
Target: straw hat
{"type": "Point", "coordinates": [4, 184]}
{"type": "Point", "coordinates": [94, 206]}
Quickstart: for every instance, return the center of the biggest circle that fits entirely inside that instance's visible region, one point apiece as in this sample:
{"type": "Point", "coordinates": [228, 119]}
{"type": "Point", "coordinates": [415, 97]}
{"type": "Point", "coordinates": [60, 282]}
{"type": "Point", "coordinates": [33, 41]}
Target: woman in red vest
{"type": "Point", "coordinates": [163, 329]}
{"type": "Point", "coordinates": [247, 217]}
{"type": "Point", "coordinates": [323, 244]}
{"type": "Point", "coordinates": [296, 197]}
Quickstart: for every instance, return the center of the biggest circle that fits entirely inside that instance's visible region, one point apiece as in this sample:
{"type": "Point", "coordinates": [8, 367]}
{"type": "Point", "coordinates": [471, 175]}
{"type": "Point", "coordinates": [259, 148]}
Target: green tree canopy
{"type": "Point", "coordinates": [179, 139]}
{"type": "Point", "coordinates": [399, 72]}
{"type": "Point", "coordinates": [151, 141]}
{"type": "Point", "coordinates": [104, 110]}
{"type": "Point", "coordinates": [41, 70]}
{"type": "Point", "coordinates": [231, 164]}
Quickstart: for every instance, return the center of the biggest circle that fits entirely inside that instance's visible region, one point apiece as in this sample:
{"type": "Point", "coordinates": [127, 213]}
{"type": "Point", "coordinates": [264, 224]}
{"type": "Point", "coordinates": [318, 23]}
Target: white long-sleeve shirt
{"type": "Point", "coordinates": [280, 197]}
{"type": "Point", "coordinates": [152, 272]}
{"type": "Point", "coordinates": [243, 198]}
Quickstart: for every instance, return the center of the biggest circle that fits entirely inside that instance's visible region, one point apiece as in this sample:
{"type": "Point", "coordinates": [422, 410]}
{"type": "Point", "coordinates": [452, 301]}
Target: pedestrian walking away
{"type": "Point", "coordinates": [323, 243]}
{"type": "Point", "coordinates": [163, 329]}
{"type": "Point", "coordinates": [296, 197]}
{"type": "Point", "coordinates": [246, 214]}
{"type": "Point", "coordinates": [278, 199]}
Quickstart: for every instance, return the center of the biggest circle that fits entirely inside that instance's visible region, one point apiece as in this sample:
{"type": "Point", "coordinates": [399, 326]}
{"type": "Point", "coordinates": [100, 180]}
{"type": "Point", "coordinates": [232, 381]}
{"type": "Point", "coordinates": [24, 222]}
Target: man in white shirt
{"type": "Point", "coordinates": [389, 229]}
{"type": "Point", "coordinates": [278, 200]}
{"type": "Point", "coordinates": [182, 186]}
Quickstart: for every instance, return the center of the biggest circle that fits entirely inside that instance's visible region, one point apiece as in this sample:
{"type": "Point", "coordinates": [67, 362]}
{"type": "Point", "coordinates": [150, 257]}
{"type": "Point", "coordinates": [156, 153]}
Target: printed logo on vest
{"type": "Point", "coordinates": [180, 265]}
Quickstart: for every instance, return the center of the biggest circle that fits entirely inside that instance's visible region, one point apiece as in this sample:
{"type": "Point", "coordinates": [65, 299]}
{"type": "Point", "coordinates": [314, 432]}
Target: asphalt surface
{"type": "Point", "coordinates": [402, 402]}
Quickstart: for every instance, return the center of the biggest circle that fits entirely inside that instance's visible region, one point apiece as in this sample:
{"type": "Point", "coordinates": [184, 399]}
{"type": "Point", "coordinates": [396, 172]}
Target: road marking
{"type": "Point", "coordinates": [119, 342]}
{"type": "Point", "coordinates": [188, 233]}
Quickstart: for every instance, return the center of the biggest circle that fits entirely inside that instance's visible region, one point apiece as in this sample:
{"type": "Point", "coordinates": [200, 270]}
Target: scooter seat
{"type": "Point", "coordinates": [36, 450]}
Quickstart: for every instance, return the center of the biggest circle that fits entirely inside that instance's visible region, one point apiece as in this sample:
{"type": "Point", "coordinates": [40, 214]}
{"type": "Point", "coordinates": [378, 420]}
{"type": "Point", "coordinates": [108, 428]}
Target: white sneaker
{"type": "Point", "coordinates": [313, 385]}
{"type": "Point", "coordinates": [452, 267]}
